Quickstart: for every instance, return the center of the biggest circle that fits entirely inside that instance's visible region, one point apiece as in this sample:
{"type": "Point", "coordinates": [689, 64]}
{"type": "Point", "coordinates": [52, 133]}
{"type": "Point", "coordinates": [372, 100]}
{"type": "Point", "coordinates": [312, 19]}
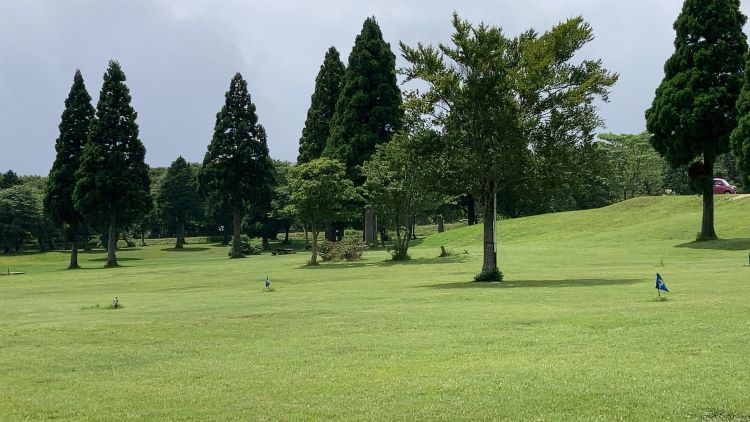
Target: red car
{"type": "Point", "coordinates": [722, 186]}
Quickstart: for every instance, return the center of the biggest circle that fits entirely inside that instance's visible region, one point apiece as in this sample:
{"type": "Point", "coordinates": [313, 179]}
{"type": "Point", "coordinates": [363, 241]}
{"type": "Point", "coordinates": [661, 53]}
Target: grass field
{"type": "Point", "coordinates": [574, 333]}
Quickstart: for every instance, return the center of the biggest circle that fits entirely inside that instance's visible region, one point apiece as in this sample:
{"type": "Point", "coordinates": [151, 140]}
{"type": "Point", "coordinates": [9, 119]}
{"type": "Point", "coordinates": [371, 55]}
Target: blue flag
{"type": "Point", "coordinates": [660, 283]}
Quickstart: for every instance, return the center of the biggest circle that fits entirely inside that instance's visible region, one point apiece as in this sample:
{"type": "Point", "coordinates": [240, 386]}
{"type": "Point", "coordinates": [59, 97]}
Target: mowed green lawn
{"type": "Point", "coordinates": [574, 333]}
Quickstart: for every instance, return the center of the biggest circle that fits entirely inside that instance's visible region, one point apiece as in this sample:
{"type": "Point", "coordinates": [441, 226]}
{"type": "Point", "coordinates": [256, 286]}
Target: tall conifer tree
{"type": "Point", "coordinates": [113, 186]}
{"type": "Point", "coordinates": [74, 131]}
{"type": "Point", "coordinates": [178, 197]}
{"type": "Point", "coordinates": [694, 110]}
{"type": "Point", "coordinates": [740, 138]}
{"type": "Point", "coordinates": [237, 166]}
{"type": "Point", "coordinates": [322, 107]}
{"type": "Point", "coordinates": [368, 110]}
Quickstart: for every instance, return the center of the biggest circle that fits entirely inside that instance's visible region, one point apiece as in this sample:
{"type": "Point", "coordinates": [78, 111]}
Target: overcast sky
{"type": "Point", "coordinates": [179, 56]}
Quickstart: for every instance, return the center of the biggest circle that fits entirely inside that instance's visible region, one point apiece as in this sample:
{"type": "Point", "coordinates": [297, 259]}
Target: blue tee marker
{"type": "Point", "coordinates": [268, 283]}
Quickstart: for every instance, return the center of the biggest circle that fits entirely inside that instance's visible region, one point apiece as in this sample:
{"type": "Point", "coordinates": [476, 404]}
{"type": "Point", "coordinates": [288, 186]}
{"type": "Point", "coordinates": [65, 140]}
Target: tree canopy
{"type": "Point", "coordinates": [178, 197]}
{"type": "Point", "coordinates": [237, 166]}
{"type": "Point", "coordinates": [368, 110]}
{"type": "Point", "coordinates": [112, 183]}
{"type": "Point", "coordinates": [322, 107]}
{"type": "Point", "coordinates": [319, 192]}
{"type": "Point", "coordinates": [502, 102]}
{"type": "Point", "coordinates": [74, 132]}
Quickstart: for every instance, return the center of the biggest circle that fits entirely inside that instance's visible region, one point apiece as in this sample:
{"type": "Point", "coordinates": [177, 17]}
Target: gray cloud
{"type": "Point", "coordinates": [179, 56]}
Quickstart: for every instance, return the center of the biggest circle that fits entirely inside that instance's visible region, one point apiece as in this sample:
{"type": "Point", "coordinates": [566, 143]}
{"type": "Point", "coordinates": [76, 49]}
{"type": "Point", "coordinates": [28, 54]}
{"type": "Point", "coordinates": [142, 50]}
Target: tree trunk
{"type": "Point", "coordinates": [74, 248]}
{"type": "Point", "coordinates": [329, 234]}
{"type": "Point", "coordinates": [370, 235]}
{"type": "Point", "coordinates": [236, 230]}
{"type": "Point", "coordinates": [307, 236]}
{"type": "Point", "coordinates": [264, 243]}
{"type": "Point", "coordinates": [314, 255]}
{"type": "Point", "coordinates": [112, 243]}
{"type": "Point", "coordinates": [286, 233]}
{"type": "Point", "coordinates": [489, 262]}
{"type": "Point", "coordinates": [180, 234]}
{"type": "Point", "coordinates": [413, 235]}
{"type": "Point", "coordinates": [707, 225]}
{"type": "Point", "coordinates": [471, 210]}
{"type": "Point", "coordinates": [440, 224]}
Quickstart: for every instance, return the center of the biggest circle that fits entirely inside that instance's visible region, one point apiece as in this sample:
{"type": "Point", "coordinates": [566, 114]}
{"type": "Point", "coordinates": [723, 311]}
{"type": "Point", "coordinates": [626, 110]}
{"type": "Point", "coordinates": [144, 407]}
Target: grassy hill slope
{"type": "Point", "coordinates": [574, 333]}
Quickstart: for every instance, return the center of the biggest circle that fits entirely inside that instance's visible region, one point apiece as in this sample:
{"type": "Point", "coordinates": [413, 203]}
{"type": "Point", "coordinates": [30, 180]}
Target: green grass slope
{"type": "Point", "coordinates": [574, 333]}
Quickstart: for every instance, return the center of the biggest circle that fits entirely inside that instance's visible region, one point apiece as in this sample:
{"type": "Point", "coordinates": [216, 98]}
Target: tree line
{"type": "Point", "coordinates": [488, 123]}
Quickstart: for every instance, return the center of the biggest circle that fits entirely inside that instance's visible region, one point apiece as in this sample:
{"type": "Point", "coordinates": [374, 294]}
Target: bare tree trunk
{"type": "Point", "coordinates": [314, 255]}
{"type": "Point", "coordinates": [307, 236]}
{"type": "Point", "coordinates": [707, 225]}
{"type": "Point", "coordinates": [112, 242]}
{"type": "Point", "coordinates": [74, 248]}
{"type": "Point", "coordinates": [286, 233]}
{"type": "Point", "coordinates": [471, 210]}
{"type": "Point", "coordinates": [180, 234]}
{"type": "Point", "coordinates": [370, 235]}
{"type": "Point", "coordinates": [264, 244]}
{"type": "Point", "coordinates": [489, 261]}
{"type": "Point", "coordinates": [237, 230]}
{"type": "Point", "coordinates": [329, 232]}
{"type": "Point", "coordinates": [440, 224]}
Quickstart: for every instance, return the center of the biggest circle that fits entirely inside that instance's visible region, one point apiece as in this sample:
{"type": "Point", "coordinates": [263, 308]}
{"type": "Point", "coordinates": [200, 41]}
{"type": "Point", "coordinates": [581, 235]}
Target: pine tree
{"type": "Point", "coordinates": [112, 182]}
{"type": "Point", "coordinates": [74, 131]}
{"type": "Point", "coordinates": [178, 197]}
{"type": "Point", "coordinates": [322, 107]}
{"type": "Point", "coordinates": [693, 111]}
{"type": "Point", "coordinates": [740, 138]}
{"type": "Point", "coordinates": [368, 110]}
{"type": "Point", "coordinates": [237, 166]}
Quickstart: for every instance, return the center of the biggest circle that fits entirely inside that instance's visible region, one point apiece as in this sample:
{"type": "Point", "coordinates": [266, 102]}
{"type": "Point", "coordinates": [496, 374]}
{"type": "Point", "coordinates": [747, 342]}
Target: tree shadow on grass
{"type": "Point", "coordinates": [389, 263]}
{"type": "Point", "coordinates": [738, 244]}
{"type": "Point", "coordinates": [583, 282]}
{"type": "Point", "coordinates": [118, 259]}
{"type": "Point", "coordinates": [185, 249]}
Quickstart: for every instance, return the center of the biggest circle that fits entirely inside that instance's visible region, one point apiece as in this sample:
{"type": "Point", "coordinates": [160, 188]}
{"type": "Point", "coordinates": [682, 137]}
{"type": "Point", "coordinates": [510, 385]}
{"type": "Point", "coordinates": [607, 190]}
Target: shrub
{"type": "Point", "coordinates": [349, 249]}
{"type": "Point", "coordinates": [493, 275]}
{"type": "Point", "coordinates": [248, 248]}
{"type": "Point", "coordinates": [327, 252]}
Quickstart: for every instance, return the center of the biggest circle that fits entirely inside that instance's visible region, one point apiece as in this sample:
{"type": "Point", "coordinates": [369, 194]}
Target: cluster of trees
{"type": "Point", "coordinates": [22, 216]}
{"type": "Point", "coordinates": [490, 123]}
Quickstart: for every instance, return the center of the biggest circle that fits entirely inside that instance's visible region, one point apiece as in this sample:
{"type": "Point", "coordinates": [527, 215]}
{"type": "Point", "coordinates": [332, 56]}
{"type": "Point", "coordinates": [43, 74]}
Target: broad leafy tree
{"type": "Point", "coordinates": [320, 192]}
{"type": "Point", "coordinates": [694, 110]}
{"type": "Point", "coordinates": [8, 179]}
{"type": "Point", "coordinates": [21, 217]}
{"type": "Point", "coordinates": [177, 197]}
{"type": "Point", "coordinates": [398, 185]}
{"type": "Point", "coordinates": [112, 183]}
{"type": "Point", "coordinates": [237, 167]}
{"type": "Point", "coordinates": [634, 168]}
{"type": "Point", "coordinates": [499, 99]}
{"type": "Point", "coordinates": [322, 107]}
{"type": "Point", "coordinates": [74, 132]}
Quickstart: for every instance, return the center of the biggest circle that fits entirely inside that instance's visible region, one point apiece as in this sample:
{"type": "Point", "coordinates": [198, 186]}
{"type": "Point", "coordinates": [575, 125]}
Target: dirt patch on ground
{"type": "Point", "coordinates": [738, 197]}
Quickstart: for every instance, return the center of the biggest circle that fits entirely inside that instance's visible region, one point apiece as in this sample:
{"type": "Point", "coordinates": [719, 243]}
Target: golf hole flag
{"type": "Point", "coordinates": [660, 283]}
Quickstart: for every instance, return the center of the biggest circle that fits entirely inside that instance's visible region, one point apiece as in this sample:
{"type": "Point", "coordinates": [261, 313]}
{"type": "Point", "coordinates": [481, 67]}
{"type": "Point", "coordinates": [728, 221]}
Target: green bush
{"type": "Point", "coordinates": [493, 275]}
{"type": "Point", "coordinates": [349, 249]}
{"type": "Point", "coordinates": [247, 248]}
